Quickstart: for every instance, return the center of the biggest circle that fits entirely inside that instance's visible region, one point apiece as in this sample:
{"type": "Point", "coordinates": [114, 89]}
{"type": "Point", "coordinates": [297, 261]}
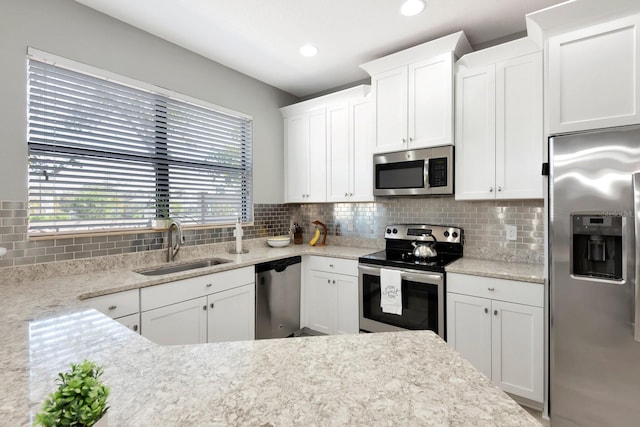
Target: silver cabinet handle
{"type": "Point", "coordinates": [490, 189]}
{"type": "Point", "coordinates": [499, 188]}
{"type": "Point", "coordinates": [491, 289]}
{"type": "Point", "coordinates": [328, 280]}
{"type": "Point", "coordinates": [346, 194]}
{"type": "Point", "coordinates": [113, 307]}
{"type": "Point", "coordinates": [636, 215]}
{"type": "Point", "coordinates": [486, 310]}
{"type": "Point", "coordinates": [212, 305]}
{"type": "Point", "coordinates": [410, 139]}
{"type": "Point", "coordinates": [334, 282]}
{"type": "Point", "coordinates": [495, 312]}
{"type": "Point", "coordinates": [135, 328]}
{"type": "Point", "coordinates": [350, 194]}
{"type": "Point", "coordinates": [209, 285]}
{"type": "Point", "coordinates": [330, 265]}
{"type": "Point", "coordinates": [204, 307]}
{"type": "Point", "coordinates": [404, 141]}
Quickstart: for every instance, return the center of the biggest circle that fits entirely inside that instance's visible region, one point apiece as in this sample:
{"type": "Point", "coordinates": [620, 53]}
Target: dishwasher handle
{"type": "Point", "coordinates": [279, 265]}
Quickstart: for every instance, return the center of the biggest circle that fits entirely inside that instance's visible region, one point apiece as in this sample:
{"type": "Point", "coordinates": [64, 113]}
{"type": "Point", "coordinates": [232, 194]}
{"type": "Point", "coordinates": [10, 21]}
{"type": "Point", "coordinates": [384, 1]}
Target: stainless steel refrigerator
{"type": "Point", "coordinates": [594, 245]}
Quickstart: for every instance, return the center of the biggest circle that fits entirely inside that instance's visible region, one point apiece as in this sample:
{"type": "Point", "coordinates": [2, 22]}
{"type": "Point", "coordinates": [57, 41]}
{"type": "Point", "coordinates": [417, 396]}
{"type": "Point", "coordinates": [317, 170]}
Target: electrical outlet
{"type": "Point", "coordinates": [512, 232]}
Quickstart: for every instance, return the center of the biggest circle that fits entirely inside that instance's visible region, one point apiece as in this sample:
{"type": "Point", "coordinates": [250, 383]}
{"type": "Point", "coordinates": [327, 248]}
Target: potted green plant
{"type": "Point", "coordinates": [80, 400]}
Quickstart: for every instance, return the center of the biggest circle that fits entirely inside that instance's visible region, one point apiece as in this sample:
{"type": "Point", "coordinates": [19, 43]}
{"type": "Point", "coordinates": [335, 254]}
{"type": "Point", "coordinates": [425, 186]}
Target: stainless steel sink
{"type": "Point", "coordinates": [174, 268]}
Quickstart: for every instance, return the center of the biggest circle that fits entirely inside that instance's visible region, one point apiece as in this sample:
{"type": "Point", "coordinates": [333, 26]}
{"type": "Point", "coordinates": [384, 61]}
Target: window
{"type": "Point", "coordinates": [106, 155]}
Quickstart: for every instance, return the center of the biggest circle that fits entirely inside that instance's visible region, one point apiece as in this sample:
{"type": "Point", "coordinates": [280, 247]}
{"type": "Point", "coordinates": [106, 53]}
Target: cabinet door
{"type": "Point", "coordinates": [594, 77]}
{"type": "Point", "coordinates": [430, 108]}
{"type": "Point", "coordinates": [517, 349]}
{"type": "Point", "coordinates": [361, 176]}
{"type": "Point", "coordinates": [348, 321]}
{"type": "Point", "coordinates": [339, 154]}
{"type": "Point", "coordinates": [519, 140]}
{"type": "Point", "coordinates": [469, 329]}
{"type": "Point", "coordinates": [297, 157]}
{"type": "Point", "coordinates": [390, 92]}
{"type": "Point", "coordinates": [475, 133]}
{"type": "Point", "coordinates": [320, 295]}
{"type": "Point", "coordinates": [131, 321]}
{"type": "Point", "coordinates": [316, 167]}
{"type": "Point", "coordinates": [232, 314]}
{"type": "Point", "coordinates": [181, 323]}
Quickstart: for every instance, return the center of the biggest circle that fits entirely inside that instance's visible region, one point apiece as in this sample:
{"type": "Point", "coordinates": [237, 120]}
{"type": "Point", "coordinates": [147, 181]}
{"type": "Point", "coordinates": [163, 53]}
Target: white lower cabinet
{"type": "Point", "coordinates": [220, 308]}
{"type": "Point", "coordinates": [180, 323]}
{"type": "Point", "coordinates": [497, 325]}
{"type": "Point", "coordinates": [231, 314]}
{"type": "Point", "coordinates": [330, 293]}
{"type": "Point", "coordinates": [121, 306]}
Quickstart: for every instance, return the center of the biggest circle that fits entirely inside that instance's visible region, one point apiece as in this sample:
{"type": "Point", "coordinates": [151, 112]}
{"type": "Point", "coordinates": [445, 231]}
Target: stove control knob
{"type": "Point", "coordinates": [388, 231]}
{"type": "Point", "coordinates": [395, 231]}
{"type": "Point", "coordinates": [455, 234]}
{"type": "Point", "coordinates": [446, 234]}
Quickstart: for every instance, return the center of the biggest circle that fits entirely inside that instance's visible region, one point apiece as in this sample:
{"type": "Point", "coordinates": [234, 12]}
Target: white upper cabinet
{"type": "Point", "coordinates": [328, 148]}
{"type": "Point", "coordinates": [305, 157]}
{"type": "Point", "coordinates": [594, 80]}
{"type": "Point", "coordinates": [413, 94]}
{"type": "Point", "coordinates": [499, 123]}
{"type": "Point", "coordinates": [475, 133]}
{"type": "Point", "coordinates": [431, 102]}
{"type": "Point", "coordinates": [349, 152]}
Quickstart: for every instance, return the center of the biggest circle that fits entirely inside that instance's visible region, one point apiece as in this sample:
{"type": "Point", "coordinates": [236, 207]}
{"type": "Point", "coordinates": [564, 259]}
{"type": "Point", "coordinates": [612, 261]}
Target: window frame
{"type": "Point", "coordinates": [161, 188]}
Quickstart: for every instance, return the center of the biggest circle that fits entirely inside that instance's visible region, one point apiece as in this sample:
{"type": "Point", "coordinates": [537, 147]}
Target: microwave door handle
{"type": "Point", "coordinates": [635, 259]}
{"type": "Point", "coordinates": [426, 173]}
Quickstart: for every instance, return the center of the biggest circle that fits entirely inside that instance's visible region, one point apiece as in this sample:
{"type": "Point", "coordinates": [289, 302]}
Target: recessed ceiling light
{"type": "Point", "coordinates": [412, 7]}
{"type": "Point", "coordinates": [308, 50]}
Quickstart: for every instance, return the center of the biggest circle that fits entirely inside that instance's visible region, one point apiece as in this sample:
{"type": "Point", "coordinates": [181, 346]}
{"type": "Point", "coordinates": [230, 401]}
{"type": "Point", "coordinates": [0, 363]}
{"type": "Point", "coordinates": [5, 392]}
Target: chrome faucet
{"type": "Point", "coordinates": [172, 250]}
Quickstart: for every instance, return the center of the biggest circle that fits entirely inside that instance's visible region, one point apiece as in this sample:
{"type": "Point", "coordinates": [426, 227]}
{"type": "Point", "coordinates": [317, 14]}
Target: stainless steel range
{"type": "Point", "coordinates": [403, 286]}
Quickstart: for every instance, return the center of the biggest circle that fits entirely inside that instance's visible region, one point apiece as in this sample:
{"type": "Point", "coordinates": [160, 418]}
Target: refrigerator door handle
{"type": "Point", "coordinates": [636, 220]}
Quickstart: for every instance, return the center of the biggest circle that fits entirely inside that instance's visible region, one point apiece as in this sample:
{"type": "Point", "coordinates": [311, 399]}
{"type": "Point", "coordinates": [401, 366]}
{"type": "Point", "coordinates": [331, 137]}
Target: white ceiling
{"type": "Point", "coordinates": [261, 38]}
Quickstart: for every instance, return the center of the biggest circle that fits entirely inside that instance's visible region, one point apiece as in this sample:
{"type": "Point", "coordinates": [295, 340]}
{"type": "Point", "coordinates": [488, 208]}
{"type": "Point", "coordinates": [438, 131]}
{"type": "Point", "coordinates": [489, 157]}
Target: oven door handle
{"type": "Point", "coordinates": [422, 278]}
{"type": "Point", "coordinates": [429, 278]}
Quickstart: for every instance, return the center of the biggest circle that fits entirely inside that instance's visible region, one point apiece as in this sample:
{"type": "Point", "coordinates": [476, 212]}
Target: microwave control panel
{"type": "Point", "coordinates": [438, 172]}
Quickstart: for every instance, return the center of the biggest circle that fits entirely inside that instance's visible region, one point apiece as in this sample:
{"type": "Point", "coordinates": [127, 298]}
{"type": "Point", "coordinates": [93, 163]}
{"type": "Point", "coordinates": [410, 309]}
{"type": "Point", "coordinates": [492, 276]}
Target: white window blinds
{"type": "Point", "coordinates": [108, 156]}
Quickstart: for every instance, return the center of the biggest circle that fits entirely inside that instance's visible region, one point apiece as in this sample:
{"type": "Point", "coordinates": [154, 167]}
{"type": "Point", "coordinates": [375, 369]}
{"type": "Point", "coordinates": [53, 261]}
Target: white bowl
{"type": "Point", "coordinates": [278, 241]}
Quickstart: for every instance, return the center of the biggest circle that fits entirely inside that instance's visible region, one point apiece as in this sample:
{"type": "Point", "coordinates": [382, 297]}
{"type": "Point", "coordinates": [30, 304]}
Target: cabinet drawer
{"type": "Point", "coordinates": [497, 289]}
{"type": "Point", "coordinates": [194, 287]}
{"type": "Point", "coordinates": [118, 304]}
{"type": "Point", "coordinates": [333, 265]}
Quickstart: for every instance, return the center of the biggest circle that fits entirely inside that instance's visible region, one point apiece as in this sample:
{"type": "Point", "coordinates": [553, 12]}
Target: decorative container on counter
{"type": "Point", "coordinates": [297, 234]}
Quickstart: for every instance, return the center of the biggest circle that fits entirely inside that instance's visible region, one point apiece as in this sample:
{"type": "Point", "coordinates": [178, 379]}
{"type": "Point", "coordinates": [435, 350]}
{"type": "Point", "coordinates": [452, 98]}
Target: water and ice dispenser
{"type": "Point", "coordinates": [597, 246]}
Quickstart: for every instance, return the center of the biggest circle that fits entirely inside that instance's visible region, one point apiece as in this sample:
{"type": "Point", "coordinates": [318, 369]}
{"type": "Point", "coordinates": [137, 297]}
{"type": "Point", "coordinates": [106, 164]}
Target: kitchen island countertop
{"type": "Point", "coordinates": [400, 378]}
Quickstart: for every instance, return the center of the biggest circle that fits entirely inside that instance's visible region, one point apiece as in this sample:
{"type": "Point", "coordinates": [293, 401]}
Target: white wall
{"type": "Point", "coordinates": [71, 30]}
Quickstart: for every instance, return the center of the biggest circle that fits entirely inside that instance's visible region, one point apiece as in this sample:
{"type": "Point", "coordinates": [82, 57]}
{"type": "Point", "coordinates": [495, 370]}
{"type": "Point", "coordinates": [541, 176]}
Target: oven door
{"type": "Point", "coordinates": [422, 301]}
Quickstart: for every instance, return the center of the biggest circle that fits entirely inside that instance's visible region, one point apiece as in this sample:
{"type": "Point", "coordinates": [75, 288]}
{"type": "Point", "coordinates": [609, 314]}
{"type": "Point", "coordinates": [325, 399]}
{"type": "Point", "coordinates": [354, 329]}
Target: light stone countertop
{"type": "Point", "coordinates": [533, 273]}
{"type": "Point", "coordinates": [405, 378]}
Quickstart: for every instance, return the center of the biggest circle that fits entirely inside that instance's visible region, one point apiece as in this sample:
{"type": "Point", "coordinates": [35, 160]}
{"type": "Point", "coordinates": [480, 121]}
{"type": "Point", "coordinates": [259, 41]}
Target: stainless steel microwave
{"type": "Point", "coordinates": [426, 171]}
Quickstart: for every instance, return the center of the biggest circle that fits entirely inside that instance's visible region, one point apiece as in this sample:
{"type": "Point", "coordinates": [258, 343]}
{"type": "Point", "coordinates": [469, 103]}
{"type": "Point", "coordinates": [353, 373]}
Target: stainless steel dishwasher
{"type": "Point", "coordinates": [278, 298]}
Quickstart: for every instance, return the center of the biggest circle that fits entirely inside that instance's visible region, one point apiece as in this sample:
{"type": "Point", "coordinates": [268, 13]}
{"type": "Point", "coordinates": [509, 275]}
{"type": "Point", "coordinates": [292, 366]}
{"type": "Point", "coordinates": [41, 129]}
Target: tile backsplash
{"type": "Point", "coordinates": [483, 222]}
{"type": "Point", "coordinates": [360, 224]}
{"type": "Point", "coordinates": [269, 220]}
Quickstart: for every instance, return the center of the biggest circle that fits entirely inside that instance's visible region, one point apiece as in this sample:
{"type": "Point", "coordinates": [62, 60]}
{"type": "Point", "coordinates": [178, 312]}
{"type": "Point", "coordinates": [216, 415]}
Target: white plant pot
{"type": "Point", "coordinates": [102, 422]}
